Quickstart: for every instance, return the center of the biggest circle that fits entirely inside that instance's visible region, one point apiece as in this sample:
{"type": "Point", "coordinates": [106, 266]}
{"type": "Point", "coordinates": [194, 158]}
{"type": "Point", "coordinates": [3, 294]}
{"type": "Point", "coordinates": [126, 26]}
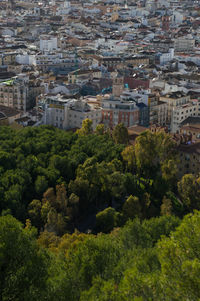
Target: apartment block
{"type": "Point", "coordinates": [173, 100]}
{"type": "Point", "coordinates": [14, 94]}
{"type": "Point", "coordinates": [157, 110]}
{"type": "Point", "coordinates": [180, 113]}
{"type": "Point", "coordinates": [116, 111]}
{"type": "Point", "coordinates": [184, 44]}
{"type": "Point", "coordinates": [70, 113]}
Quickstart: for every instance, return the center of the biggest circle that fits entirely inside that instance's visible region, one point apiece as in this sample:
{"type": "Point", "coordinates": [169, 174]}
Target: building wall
{"type": "Point", "coordinates": [179, 114]}
{"type": "Point", "coordinates": [184, 44]}
{"type": "Point", "coordinates": [137, 83]}
{"type": "Point", "coordinates": [118, 86]}
{"type": "Point", "coordinates": [173, 102]}
{"type": "Point", "coordinates": [63, 117]}
{"type": "Point", "coordinates": [189, 161]}
{"type": "Point", "coordinates": [48, 44]}
{"type": "Point", "coordinates": [14, 96]}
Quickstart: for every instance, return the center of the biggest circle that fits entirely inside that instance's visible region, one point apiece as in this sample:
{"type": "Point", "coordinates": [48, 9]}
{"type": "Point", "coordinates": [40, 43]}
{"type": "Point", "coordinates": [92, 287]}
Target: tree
{"type": "Point", "coordinates": [46, 207]}
{"type": "Point", "coordinates": [61, 198]}
{"type": "Point", "coordinates": [86, 128]}
{"type": "Point", "coordinates": [71, 242]}
{"type": "Point", "coordinates": [141, 279]}
{"type": "Point", "coordinates": [52, 218]}
{"type": "Point", "coordinates": [74, 206]}
{"type": "Point", "coordinates": [132, 207]}
{"type": "Point", "coordinates": [169, 170]}
{"type": "Point", "coordinates": [120, 134]}
{"type": "Point", "coordinates": [116, 186]}
{"type": "Point", "coordinates": [41, 185]}
{"type": "Point", "coordinates": [179, 256]}
{"type": "Point", "coordinates": [100, 129]}
{"type": "Point", "coordinates": [128, 156]}
{"type": "Point", "coordinates": [106, 220]}
{"type": "Point", "coordinates": [155, 154]}
{"type": "Point", "coordinates": [35, 213]}
{"type": "Point", "coordinates": [50, 197]}
{"type": "Point", "coordinates": [96, 256]}
{"type": "Point", "coordinates": [48, 240]}
{"type": "Point", "coordinates": [189, 190]}
{"type": "Point", "coordinates": [23, 265]}
{"type": "Point", "coordinates": [102, 291]}
{"type": "Point", "coordinates": [166, 207]}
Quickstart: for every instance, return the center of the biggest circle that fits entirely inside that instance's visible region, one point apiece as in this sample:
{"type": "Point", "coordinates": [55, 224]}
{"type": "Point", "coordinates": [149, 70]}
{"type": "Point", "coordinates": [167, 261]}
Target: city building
{"type": "Point", "coordinates": [184, 43]}
{"type": "Point", "coordinates": [70, 113]}
{"type": "Point", "coordinates": [14, 94]}
{"type": "Point", "coordinates": [115, 111]}
{"type": "Point", "coordinates": [48, 43]}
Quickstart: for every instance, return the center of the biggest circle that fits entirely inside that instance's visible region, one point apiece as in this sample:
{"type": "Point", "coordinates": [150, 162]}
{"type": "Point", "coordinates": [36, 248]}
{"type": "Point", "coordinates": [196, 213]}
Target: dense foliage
{"type": "Point", "coordinates": [157, 259]}
{"type": "Point", "coordinates": [61, 180]}
{"type": "Point", "coordinates": [133, 241]}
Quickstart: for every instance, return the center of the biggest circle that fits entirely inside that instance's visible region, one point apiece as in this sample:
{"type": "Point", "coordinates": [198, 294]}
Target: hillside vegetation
{"type": "Point", "coordinates": [86, 216]}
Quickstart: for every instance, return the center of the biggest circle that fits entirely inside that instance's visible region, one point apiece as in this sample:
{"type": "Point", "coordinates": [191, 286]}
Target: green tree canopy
{"type": "Point", "coordinates": [120, 134]}
{"type": "Point", "coordinates": [23, 266]}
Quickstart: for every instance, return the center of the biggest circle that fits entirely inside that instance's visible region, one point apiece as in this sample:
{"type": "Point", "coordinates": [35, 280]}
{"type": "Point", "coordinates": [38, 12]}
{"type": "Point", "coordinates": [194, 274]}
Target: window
{"type": "Point", "coordinates": [187, 157]}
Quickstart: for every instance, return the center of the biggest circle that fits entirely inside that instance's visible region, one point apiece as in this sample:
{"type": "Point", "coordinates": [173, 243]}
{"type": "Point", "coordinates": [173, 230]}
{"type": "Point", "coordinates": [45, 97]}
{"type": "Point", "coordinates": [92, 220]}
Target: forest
{"type": "Point", "coordinates": [87, 216]}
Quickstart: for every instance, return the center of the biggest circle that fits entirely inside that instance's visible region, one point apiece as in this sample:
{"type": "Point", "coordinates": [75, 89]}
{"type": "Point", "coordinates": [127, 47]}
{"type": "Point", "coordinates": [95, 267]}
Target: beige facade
{"type": "Point", "coordinates": [157, 110]}
{"type": "Point", "coordinates": [14, 95]}
{"type": "Point", "coordinates": [78, 74]}
{"type": "Point", "coordinates": [118, 86]}
{"type": "Point", "coordinates": [189, 156]}
{"type": "Point", "coordinates": [180, 113]}
{"type": "Point", "coordinates": [193, 130]}
{"type": "Point", "coordinates": [7, 59]}
{"type": "Point", "coordinates": [184, 44]}
{"type": "Point", "coordinates": [173, 100]}
{"type": "Point", "coordinates": [15, 68]}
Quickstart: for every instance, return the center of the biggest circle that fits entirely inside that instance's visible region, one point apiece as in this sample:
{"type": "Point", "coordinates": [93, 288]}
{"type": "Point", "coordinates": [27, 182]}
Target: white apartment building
{"type": "Point", "coordinates": [173, 100]}
{"type": "Point", "coordinates": [70, 113]}
{"type": "Point", "coordinates": [64, 9]}
{"type": "Point", "coordinates": [140, 95]}
{"type": "Point", "coordinates": [26, 59]}
{"type": "Point", "coordinates": [180, 113]}
{"type": "Point", "coordinates": [177, 17]}
{"type": "Point", "coordinates": [184, 43]}
{"type": "Point", "coordinates": [48, 43]}
{"type": "Point", "coordinates": [164, 58]}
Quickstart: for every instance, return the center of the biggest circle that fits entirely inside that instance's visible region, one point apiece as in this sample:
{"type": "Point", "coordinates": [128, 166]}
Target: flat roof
{"type": "Point", "coordinates": [8, 112]}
